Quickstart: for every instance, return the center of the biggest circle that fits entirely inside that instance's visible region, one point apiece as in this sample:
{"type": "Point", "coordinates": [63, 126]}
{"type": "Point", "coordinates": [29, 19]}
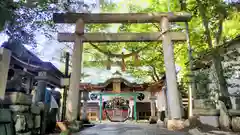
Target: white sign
{"type": "Point", "coordinates": [152, 98]}
{"type": "Point", "coordinates": [65, 81]}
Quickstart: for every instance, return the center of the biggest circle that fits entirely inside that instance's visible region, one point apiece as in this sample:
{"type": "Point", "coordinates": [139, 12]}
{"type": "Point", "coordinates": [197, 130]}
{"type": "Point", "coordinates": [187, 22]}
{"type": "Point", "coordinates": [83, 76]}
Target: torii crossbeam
{"type": "Point", "coordinates": [166, 36]}
{"type": "Point", "coordinates": [121, 17]}
{"type": "Point", "coordinates": [121, 37]}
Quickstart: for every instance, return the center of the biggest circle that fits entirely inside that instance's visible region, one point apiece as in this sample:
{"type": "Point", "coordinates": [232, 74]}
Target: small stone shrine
{"type": "Point", "coordinates": [22, 116]}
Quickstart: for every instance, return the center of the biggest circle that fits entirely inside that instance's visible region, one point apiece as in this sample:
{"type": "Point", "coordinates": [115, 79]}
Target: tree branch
{"type": "Point", "coordinates": [205, 23]}
{"type": "Point", "coordinates": [219, 32]}
{"type": "Point", "coordinates": [155, 73]}
{"type": "Point", "coordinates": [154, 79]}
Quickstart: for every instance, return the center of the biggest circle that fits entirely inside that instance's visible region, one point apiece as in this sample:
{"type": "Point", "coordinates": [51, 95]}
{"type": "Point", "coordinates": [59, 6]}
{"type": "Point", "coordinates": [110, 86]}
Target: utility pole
{"type": "Point", "coordinates": [191, 90]}
{"type": "Point", "coordinates": [67, 55]}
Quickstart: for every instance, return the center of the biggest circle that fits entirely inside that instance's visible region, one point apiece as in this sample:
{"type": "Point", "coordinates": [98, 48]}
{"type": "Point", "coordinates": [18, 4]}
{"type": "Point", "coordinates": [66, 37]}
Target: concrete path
{"type": "Point", "coordinates": [128, 129]}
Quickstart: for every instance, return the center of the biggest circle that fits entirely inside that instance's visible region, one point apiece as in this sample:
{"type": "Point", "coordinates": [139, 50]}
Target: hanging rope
{"type": "Point", "coordinates": [135, 58]}
{"type": "Point", "coordinates": [117, 55]}
{"type": "Point", "coordinates": [109, 54]}
{"type": "Point", "coordinates": [108, 63]}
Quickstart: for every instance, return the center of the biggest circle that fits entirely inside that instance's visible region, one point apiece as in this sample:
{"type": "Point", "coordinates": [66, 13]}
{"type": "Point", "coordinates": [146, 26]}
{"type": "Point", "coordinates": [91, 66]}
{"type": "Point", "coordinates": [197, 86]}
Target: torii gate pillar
{"type": "Point", "coordinates": [73, 96]}
{"type": "Point", "coordinates": [171, 76]}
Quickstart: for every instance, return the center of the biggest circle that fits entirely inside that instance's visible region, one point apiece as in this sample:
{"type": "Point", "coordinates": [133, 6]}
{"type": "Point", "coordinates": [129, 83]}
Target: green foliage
{"type": "Point", "coordinates": [202, 89]}
{"type": "Point", "coordinates": [222, 21]}
{"type": "Point", "coordinates": [6, 11]}
{"type": "Point", "coordinates": [152, 57]}
{"type": "Point", "coordinates": [22, 20]}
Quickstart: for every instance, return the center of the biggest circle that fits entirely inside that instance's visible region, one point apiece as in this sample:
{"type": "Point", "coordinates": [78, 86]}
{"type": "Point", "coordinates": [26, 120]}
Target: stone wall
{"type": "Point", "coordinates": [26, 117]}
{"type": "Point", "coordinates": [6, 124]}
{"type": "Point", "coordinates": [217, 117]}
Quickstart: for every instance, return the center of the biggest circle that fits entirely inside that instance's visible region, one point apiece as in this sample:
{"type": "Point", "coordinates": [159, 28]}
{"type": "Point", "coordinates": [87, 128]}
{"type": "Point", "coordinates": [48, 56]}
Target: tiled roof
{"type": "Point", "coordinates": [23, 55]}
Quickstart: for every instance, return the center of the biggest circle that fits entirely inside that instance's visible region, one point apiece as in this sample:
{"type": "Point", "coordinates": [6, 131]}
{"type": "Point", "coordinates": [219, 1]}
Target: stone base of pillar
{"type": "Point", "coordinates": [153, 120]}
{"type": "Point", "coordinates": [75, 126]}
{"type": "Point", "coordinates": [85, 121]}
{"type": "Point", "coordinates": [130, 118]}
{"type": "Point", "coordinates": [175, 124]}
{"type": "Point", "coordinates": [161, 115]}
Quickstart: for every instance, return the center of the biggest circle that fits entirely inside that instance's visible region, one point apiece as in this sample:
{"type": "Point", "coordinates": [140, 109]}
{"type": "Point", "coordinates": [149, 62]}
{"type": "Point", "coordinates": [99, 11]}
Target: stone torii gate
{"type": "Point", "coordinates": [79, 37]}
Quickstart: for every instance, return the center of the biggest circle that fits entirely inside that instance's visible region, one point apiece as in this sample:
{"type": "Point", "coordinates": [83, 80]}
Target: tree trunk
{"type": "Point", "coordinates": [216, 59]}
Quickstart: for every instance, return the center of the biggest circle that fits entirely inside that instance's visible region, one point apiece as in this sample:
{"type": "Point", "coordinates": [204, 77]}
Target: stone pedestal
{"type": "Point", "coordinates": [210, 120]}
{"type": "Point", "coordinates": [236, 124]}
{"type": "Point", "coordinates": [26, 116]}
{"type": "Point", "coordinates": [175, 124]}
{"type": "Point", "coordinates": [224, 118]}
{"type": "Point", "coordinates": [203, 104]}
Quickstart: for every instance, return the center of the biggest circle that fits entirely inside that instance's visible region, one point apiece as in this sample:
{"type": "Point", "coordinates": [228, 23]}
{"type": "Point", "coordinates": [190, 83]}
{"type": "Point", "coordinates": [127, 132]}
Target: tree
{"type": "Point", "coordinates": [22, 20]}
{"type": "Point", "coordinates": [151, 64]}
{"type": "Point", "coordinates": [7, 9]}
{"type": "Point", "coordinates": [213, 14]}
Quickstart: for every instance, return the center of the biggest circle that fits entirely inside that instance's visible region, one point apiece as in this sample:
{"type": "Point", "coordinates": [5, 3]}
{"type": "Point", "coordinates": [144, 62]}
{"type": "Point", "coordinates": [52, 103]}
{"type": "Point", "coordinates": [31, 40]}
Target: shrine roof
{"type": "Point", "coordinates": [120, 78]}
{"type": "Point", "coordinates": [28, 60]}
{"type": "Point", "coordinates": [99, 75]}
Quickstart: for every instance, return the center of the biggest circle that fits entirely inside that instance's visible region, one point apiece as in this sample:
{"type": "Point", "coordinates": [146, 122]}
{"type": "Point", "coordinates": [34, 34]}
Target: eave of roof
{"type": "Point", "coordinates": [30, 60]}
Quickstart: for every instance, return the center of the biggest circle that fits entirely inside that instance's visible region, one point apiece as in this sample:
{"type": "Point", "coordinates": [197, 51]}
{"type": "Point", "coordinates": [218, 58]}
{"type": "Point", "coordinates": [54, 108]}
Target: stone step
{"type": "Point", "coordinates": [206, 112]}
{"type": "Point", "coordinates": [233, 112]}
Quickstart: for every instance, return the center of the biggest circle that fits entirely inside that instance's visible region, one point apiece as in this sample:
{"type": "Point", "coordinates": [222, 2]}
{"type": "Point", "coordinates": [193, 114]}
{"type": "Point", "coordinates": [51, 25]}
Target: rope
{"type": "Point", "coordinates": [109, 54]}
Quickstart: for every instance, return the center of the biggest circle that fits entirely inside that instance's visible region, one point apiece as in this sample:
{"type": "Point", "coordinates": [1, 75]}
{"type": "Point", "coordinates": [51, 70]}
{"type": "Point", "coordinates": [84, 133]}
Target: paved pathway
{"type": "Point", "coordinates": [128, 129]}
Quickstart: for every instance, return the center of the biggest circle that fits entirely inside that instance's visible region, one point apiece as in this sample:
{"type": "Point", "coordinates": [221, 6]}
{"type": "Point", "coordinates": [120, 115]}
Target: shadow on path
{"type": "Point", "coordinates": [128, 129]}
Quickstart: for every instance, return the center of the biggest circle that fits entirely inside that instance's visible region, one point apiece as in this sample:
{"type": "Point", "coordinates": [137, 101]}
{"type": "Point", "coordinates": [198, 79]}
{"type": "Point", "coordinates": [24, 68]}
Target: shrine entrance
{"type": "Point", "coordinates": [167, 36]}
{"type": "Point", "coordinates": [118, 109]}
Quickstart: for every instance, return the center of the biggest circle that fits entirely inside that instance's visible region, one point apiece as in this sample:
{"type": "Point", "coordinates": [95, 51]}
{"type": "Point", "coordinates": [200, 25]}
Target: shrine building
{"type": "Point", "coordinates": [118, 87]}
